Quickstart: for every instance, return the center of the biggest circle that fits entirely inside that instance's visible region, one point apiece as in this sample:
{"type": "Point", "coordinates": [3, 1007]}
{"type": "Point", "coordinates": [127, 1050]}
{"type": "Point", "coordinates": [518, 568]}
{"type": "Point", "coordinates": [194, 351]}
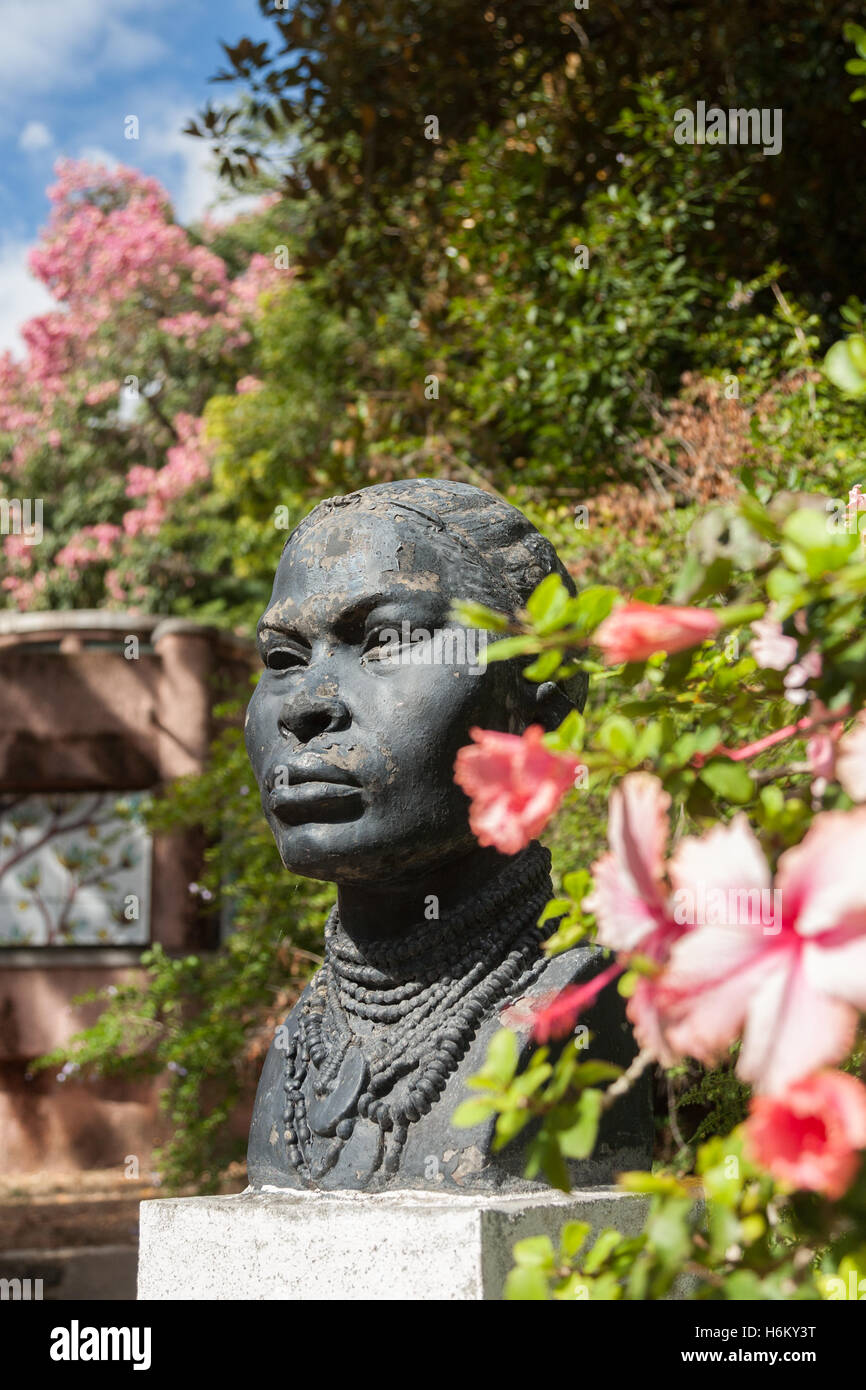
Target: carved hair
{"type": "Point", "coordinates": [502, 554]}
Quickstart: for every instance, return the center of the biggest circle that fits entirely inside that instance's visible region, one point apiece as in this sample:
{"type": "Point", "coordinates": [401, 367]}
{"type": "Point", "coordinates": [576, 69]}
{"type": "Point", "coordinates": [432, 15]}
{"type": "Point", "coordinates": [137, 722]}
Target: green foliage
{"type": "Point", "coordinates": [722, 1097]}
{"type": "Point", "coordinates": [731, 1232]}
{"type": "Point", "coordinates": [584, 311]}
{"type": "Point", "coordinates": [205, 1020]}
{"type": "Point", "coordinates": [561, 1095]}
{"type": "Point", "coordinates": [716, 728]}
{"type": "Point", "coordinates": [856, 34]}
{"type": "Point", "coordinates": [336, 105]}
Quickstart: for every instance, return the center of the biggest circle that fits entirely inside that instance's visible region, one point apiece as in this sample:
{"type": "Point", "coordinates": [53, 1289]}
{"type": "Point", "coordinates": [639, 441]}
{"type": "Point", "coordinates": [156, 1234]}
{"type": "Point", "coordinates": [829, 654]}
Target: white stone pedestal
{"type": "Point", "coordinates": [409, 1245]}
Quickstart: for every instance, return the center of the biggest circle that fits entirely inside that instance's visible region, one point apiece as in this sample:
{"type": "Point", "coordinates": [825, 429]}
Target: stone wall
{"type": "Point", "coordinates": [109, 703]}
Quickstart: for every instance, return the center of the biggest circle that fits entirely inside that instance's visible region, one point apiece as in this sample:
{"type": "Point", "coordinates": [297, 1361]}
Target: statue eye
{"type": "Point", "coordinates": [382, 645]}
{"type": "Point", "coordinates": [283, 659]}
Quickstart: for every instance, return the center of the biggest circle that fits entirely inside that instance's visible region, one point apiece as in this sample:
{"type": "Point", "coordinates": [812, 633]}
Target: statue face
{"type": "Point", "coordinates": [352, 742]}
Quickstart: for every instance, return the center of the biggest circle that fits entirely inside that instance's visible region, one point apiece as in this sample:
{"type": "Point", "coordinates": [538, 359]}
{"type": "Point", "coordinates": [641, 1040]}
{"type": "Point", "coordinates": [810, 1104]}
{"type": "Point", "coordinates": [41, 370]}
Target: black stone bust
{"type": "Point", "coordinates": [353, 733]}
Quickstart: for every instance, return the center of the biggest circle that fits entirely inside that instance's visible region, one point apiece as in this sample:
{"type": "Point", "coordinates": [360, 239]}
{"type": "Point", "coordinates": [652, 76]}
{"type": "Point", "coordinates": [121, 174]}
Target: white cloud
{"type": "Point", "coordinates": [68, 46]}
{"type": "Point", "coordinates": [21, 296]}
{"type": "Point", "coordinates": [35, 136]}
{"type": "Point", "coordinates": [95, 154]}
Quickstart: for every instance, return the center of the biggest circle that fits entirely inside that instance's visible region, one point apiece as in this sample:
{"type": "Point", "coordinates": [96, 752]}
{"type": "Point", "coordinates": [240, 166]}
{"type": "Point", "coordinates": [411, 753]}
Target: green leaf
{"type": "Point", "coordinates": [810, 544]}
{"type": "Point", "coordinates": [555, 1169]}
{"type": "Point", "coordinates": [544, 666]}
{"type": "Point", "coordinates": [572, 1236]}
{"type": "Point", "coordinates": [577, 884]}
{"type": "Point", "coordinates": [714, 578]}
{"type": "Point", "coordinates": [503, 1054]}
{"type": "Point", "coordinates": [786, 590]}
{"type": "Point", "coordinates": [759, 518]}
{"type": "Point", "coordinates": [684, 749]}
{"type": "Point", "coordinates": [648, 743]}
{"type": "Point", "coordinates": [723, 1228]}
{"type": "Point", "coordinates": [604, 1246]}
{"type": "Point", "coordinates": [708, 737]}
{"type": "Point", "coordinates": [651, 1183]}
{"type": "Point", "coordinates": [856, 34]}
{"type": "Point", "coordinates": [745, 1286]}
{"type": "Point", "coordinates": [483, 1083]}
{"type": "Point", "coordinates": [772, 801]}
{"type": "Point", "coordinates": [508, 1126]}
{"type": "Point", "coordinates": [736, 674]}
{"type": "Point", "coordinates": [472, 1112]}
{"type": "Point", "coordinates": [638, 1282]}
{"type": "Point", "coordinates": [627, 983]}
{"type": "Point", "coordinates": [617, 736]}
{"type": "Point", "coordinates": [578, 1141]}
{"type": "Point", "coordinates": [507, 647]}
{"type": "Point", "coordinates": [548, 604]}
{"type": "Point", "coordinates": [843, 365]}
{"type": "Point", "coordinates": [528, 1082]}
{"type": "Point", "coordinates": [536, 1252]}
{"type": "Point", "coordinates": [667, 1230]}
{"type": "Point", "coordinates": [689, 579]}
{"type": "Point", "coordinates": [472, 614]}
{"type": "Point", "coordinates": [727, 779]}
{"type": "Point", "coordinates": [593, 605]}
{"type": "Point", "coordinates": [568, 738]}
{"type": "Point", "coordinates": [525, 1284]}
{"type": "Point", "coordinates": [556, 907]}
{"type": "Point", "coordinates": [590, 1073]}
{"type": "Point", "coordinates": [575, 1287]}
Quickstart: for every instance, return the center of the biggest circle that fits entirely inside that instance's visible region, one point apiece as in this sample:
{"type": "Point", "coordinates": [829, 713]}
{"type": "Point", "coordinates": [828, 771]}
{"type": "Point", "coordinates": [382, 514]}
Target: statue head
{"type": "Point", "coordinates": [370, 687]}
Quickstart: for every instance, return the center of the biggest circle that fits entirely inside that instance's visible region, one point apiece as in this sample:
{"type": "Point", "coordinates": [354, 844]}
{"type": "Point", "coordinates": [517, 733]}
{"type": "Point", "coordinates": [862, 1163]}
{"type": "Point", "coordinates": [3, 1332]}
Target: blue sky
{"type": "Point", "coordinates": [70, 71]}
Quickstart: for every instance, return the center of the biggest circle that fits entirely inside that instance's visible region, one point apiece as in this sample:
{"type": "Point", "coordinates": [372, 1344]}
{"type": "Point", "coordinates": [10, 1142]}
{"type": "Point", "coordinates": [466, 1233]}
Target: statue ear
{"type": "Point", "coordinates": [552, 700]}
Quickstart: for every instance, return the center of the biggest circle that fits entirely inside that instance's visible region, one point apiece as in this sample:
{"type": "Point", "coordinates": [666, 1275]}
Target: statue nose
{"type": "Point", "coordinates": [304, 716]}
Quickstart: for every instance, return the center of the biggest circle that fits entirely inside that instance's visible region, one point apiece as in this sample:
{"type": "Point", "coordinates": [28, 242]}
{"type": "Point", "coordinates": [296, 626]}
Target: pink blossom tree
{"type": "Point", "coordinates": [101, 420]}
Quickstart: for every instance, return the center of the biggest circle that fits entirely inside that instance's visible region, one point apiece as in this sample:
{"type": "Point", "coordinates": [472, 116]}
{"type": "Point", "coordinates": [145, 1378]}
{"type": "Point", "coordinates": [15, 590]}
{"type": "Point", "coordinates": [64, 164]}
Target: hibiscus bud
{"type": "Point", "coordinates": [637, 630]}
{"type": "Point", "coordinates": [810, 1135]}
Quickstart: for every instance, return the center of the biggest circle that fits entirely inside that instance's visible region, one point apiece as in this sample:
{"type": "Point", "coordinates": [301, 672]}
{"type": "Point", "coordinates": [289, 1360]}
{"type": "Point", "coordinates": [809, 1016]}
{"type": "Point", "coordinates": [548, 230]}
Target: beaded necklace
{"type": "Point", "coordinates": [387, 1022]}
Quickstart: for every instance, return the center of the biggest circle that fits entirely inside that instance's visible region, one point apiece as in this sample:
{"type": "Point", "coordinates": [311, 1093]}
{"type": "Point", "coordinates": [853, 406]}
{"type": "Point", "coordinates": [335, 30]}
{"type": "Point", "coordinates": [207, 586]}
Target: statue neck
{"type": "Point", "coordinates": [461, 900]}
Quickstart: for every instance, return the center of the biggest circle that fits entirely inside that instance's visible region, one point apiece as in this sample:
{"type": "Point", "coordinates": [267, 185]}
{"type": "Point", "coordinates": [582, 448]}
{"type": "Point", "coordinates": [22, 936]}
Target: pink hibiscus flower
{"type": "Point", "coordinates": [793, 987]}
{"type": "Point", "coordinates": [631, 898]}
{"type": "Point", "coordinates": [637, 630]}
{"type": "Point", "coordinates": [514, 784]}
{"type": "Point", "coordinates": [810, 1135]}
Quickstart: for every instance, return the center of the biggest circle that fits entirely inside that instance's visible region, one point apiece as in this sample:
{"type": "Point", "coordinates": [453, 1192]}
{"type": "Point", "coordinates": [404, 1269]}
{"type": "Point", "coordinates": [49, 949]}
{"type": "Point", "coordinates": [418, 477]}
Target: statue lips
{"type": "Point", "coordinates": [316, 792]}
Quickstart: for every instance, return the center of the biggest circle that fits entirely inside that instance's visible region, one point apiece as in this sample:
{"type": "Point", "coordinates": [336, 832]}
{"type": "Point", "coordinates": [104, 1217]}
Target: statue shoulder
{"type": "Point", "coordinates": [572, 967]}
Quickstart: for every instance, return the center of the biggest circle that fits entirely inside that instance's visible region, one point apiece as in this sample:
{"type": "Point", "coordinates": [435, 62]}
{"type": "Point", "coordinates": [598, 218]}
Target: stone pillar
{"type": "Point", "coordinates": [345, 1246]}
